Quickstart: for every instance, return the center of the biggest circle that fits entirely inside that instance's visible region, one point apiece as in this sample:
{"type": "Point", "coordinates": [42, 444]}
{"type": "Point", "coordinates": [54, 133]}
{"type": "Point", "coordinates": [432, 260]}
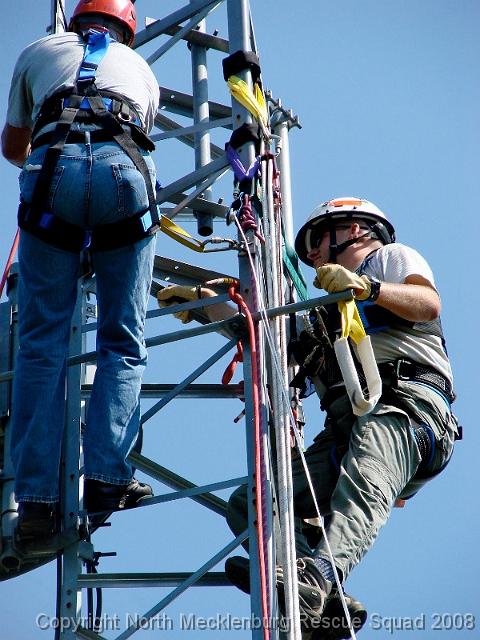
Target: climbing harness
{"type": "Point", "coordinates": [311, 352]}
{"type": "Point", "coordinates": [406, 370]}
{"type": "Point", "coordinates": [119, 123]}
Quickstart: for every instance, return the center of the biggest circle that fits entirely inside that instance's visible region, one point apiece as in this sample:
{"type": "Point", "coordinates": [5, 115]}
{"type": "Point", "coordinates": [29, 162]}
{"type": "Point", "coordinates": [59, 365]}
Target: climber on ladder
{"type": "Point", "coordinates": [80, 108]}
{"type": "Point", "coordinates": [375, 450]}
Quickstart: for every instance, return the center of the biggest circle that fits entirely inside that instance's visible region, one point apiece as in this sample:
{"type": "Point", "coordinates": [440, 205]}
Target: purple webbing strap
{"type": "Point", "coordinates": [237, 166]}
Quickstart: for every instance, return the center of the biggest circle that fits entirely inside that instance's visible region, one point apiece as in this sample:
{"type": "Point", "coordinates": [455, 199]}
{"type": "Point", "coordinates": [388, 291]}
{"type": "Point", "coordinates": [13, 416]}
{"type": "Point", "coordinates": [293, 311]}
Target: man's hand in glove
{"type": "Point", "coordinates": [333, 278]}
{"type": "Point", "coordinates": [176, 294]}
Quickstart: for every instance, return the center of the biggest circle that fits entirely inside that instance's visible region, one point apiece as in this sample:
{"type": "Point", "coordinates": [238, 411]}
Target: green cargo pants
{"type": "Point", "coordinates": [361, 465]}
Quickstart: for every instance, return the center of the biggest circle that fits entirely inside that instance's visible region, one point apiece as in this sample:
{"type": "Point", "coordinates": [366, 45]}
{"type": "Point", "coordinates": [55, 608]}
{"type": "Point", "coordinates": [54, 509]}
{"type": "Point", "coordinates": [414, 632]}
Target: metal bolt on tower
{"type": "Point", "coordinates": [260, 235]}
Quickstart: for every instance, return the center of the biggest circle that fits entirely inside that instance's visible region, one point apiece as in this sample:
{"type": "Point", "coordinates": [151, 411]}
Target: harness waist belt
{"type": "Point", "coordinates": [391, 372]}
{"type": "Point", "coordinates": [52, 109]}
{"type": "Point", "coordinates": [73, 238]}
{"type": "Point", "coordinates": [414, 372]}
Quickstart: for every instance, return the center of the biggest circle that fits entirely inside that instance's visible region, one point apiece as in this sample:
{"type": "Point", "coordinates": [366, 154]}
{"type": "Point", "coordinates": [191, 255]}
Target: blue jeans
{"type": "Point", "coordinates": [93, 184]}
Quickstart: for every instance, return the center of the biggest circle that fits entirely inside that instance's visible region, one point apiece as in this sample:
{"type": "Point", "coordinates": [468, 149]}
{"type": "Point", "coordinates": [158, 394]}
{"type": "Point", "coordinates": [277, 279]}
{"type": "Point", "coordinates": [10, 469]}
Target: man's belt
{"type": "Point", "coordinates": [74, 137]}
{"type": "Point", "coordinates": [97, 135]}
{"type": "Point", "coordinates": [407, 370]}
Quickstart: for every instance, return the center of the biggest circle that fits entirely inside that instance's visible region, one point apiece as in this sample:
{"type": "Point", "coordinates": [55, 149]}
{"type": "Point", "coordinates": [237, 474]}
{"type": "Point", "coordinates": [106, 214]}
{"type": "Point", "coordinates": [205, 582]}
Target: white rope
{"type": "Point", "coordinates": [298, 439]}
{"type": "Point", "coordinates": [284, 466]}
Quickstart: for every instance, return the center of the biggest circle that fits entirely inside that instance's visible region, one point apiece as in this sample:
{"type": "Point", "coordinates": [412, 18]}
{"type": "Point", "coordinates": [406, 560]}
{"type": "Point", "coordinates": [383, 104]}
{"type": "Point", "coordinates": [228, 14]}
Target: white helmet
{"type": "Point", "coordinates": [334, 211]}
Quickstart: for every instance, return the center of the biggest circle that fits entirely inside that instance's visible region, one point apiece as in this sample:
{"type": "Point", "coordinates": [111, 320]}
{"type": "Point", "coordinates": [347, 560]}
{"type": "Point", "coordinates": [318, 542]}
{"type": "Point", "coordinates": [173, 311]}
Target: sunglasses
{"type": "Point", "coordinates": [317, 234]}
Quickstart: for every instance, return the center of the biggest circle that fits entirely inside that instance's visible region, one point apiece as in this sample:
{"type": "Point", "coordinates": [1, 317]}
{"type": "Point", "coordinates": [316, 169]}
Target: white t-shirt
{"type": "Point", "coordinates": [394, 263]}
{"type": "Point", "coordinates": [51, 64]}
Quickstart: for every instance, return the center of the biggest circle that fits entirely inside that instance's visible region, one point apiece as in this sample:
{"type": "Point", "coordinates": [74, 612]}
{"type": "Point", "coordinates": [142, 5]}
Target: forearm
{"type": "Point", "coordinates": [414, 302]}
{"type": "Point", "coordinates": [16, 144]}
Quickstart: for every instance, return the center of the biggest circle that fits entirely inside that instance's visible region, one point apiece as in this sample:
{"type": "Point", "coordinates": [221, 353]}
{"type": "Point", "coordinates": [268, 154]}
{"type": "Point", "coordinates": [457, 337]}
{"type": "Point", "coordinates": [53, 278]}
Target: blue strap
{"type": "Point", "coordinates": [95, 50]}
{"type": "Point", "coordinates": [46, 220]}
{"type": "Point", "coordinates": [146, 221]}
{"type": "Point", "coordinates": [369, 329]}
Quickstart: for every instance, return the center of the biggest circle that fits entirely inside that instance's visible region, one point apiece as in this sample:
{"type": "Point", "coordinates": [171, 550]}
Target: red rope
{"type": "Point", "coordinates": [230, 370]}
{"type": "Point", "coordinates": [237, 298]}
{"type": "Point", "coordinates": [10, 259]}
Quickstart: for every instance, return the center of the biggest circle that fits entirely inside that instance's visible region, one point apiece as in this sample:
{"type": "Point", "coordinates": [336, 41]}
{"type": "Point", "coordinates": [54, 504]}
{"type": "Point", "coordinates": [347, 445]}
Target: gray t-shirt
{"type": "Point", "coordinates": [51, 64]}
{"type": "Point", "coordinates": [394, 263]}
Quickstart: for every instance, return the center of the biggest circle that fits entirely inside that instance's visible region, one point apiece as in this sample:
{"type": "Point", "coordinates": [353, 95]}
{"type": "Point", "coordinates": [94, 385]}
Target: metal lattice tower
{"type": "Point", "coordinates": [276, 289]}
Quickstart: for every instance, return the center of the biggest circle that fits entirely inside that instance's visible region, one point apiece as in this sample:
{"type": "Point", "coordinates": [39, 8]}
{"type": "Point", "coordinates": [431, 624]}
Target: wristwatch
{"type": "Point", "coordinates": [375, 289]}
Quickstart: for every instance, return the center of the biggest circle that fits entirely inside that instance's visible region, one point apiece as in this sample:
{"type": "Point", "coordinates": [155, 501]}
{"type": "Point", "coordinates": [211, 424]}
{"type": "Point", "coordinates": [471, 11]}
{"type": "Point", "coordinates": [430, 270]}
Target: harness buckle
{"type": "Point", "coordinates": [404, 369]}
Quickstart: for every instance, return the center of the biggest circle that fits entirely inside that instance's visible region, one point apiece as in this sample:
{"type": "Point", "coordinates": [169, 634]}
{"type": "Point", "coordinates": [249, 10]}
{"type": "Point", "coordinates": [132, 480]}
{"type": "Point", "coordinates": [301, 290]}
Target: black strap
{"type": "Point", "coordinates": [390, 373]}
{"type": "Point", "coordinates": [240, 61]}
{"type": "Point", "coordinates": [59, 136]}
{"type": "Point", "coordinates": [245, 133]}
{"type": "Point", "coordinates": [97, 135]}
{"type": "Point", "coordinates": [53, 106]}
{"type": "Point", "coordinates": [110, 124]}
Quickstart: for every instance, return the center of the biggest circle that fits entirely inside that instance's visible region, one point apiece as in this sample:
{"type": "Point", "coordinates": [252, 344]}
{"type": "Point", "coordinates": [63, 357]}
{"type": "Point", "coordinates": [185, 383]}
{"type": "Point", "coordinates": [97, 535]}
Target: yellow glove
{"type": "Point", "coordinates": [333, 278]}
{"type": "Point", "coordinates": [176, 294]}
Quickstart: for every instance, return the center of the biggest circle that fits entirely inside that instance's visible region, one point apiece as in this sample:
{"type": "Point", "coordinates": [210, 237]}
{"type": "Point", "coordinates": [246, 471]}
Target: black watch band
{"type": "Point", "coordinates": [375, 290]}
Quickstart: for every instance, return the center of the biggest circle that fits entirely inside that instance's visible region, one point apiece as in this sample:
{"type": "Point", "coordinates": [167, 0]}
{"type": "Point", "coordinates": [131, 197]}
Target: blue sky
{"type": "Point", "coordinates": [387, 93]}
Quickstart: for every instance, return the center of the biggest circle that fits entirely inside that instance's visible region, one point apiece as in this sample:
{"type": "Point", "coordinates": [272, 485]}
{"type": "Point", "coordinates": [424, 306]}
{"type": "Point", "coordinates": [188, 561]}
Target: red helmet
{"type": "Point", "coordinates": [122, 11]}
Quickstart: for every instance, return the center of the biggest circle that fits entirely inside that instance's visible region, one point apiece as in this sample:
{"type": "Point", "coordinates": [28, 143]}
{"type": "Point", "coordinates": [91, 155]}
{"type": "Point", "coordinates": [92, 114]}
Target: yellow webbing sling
{"type": "Point", "coordinates": [171, 229]}
{"type": "Point", "coordinates": [253, 101]}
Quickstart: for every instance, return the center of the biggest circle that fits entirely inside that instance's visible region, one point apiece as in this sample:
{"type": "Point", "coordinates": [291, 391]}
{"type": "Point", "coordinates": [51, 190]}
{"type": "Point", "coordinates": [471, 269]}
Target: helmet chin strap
{"type": "Point", "coordinates": [336, 249]}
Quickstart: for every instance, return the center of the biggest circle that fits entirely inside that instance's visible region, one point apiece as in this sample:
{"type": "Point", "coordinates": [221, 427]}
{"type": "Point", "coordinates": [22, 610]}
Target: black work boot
{"type": "Point", "coordinates": [313, 588]}
{"type": "Point", "coordinates": [103, 496]}
{"type": "Point", "coordinates": [36, 520]}
{"type": "Point", "coordinates": [313, 592]}
{"type": "Point", "coordinates": [334, 625]}
{"type": "Point", "coordinates": [237, 570]}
